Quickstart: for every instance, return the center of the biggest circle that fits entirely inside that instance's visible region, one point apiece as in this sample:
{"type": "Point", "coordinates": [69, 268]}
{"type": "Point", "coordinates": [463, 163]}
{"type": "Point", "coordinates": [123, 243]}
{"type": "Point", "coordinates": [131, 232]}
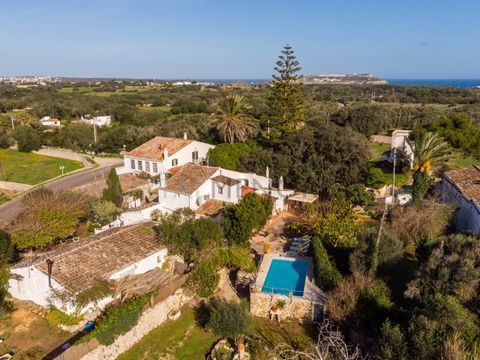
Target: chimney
{"type": "Point", "coordinates": [49, 267]}
{"type": "Point", "coordinates": [163, 180]}
{"type": "Point", "coordinates": [280, 183]}
{"type": "Point", "coordinates": [165, 153]}
{"type": "Point", "coordinates": [185, 135]}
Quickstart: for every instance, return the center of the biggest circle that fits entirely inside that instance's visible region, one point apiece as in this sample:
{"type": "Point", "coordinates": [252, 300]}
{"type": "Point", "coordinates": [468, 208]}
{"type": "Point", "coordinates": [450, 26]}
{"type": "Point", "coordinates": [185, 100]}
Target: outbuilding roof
{"type": "Point", "coordinates": [78, 265]}
{"type": "Point", "coordinates": [154, 148]}
{"type": "Point", "coordinates": [225, 180]}
{"type": "Point", "coordinates": [189, 178]}
{"type": "Point", "coordinates": [467, 181]}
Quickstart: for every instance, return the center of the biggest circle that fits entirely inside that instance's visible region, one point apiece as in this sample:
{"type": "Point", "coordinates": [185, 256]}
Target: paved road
{"type": "Point", "coordinates": [10, 209]}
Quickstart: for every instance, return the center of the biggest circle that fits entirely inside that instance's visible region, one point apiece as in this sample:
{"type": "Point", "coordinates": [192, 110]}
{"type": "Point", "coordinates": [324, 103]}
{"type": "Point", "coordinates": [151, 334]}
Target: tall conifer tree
{"type": "Point", "coordinates": [113, 192]}
{"type": "Point", "coordinates": [286, 99]}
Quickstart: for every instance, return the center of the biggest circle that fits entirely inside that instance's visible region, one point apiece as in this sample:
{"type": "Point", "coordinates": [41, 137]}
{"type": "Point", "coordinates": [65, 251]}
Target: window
{"type": "Point", "coordinates": [140, 165]}
{"type": "Point", "coordinates": [174, 162]}
{"type": "Point", "coordinates": [155, 167]}
{"type": "Point", "coordinates": [195, 155]}
{"type": "Point", "coordinates": [132, 164]}
{"type": "Point", "coordinates": [147, 166]}
{"type": "Point", "coordinates": [220, 190]}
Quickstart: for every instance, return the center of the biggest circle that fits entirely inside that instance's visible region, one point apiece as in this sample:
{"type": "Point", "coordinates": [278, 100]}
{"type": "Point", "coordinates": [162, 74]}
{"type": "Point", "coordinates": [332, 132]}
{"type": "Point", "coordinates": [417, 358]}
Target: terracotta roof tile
{"type": "Point", "coordinates": [211, 207]}
{"type": "Point", "coordinates": [226, 180]}
{"type": "Point", "coordinates": [79, 265]}
{"type": "Point", "coordinates": [467, 180]}
{"type": "Point", "coordinates": [153, 149]}
{"type": "Point", "coordinates": [130, 182]}
{"type": "Point", "coordinates": [189, 178]}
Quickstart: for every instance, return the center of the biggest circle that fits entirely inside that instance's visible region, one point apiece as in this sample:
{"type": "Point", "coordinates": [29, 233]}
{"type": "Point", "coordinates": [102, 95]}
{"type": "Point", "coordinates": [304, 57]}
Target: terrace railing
{"type": "Point", "coordinates": [291, 293]}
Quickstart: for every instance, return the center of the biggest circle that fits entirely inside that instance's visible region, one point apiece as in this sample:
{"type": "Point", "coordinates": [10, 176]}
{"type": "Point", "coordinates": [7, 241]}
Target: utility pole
{"type": "Point", "coordinates": [393, 181]}
{"type": "Point", "coordinates": [13, 124]}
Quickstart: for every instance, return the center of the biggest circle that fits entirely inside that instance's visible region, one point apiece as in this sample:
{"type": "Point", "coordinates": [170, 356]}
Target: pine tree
{"type": "Point", "coordinates": [113, 192]}
{"type": "Point", "coordinates": [286, 99]}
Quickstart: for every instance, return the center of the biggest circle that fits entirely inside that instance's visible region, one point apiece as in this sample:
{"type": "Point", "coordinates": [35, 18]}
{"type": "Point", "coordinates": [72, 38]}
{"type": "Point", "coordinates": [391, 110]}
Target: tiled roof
{"type": "Point", "coordinates": [467, 180]}
{"type": "Point", "coordinates": [226, 180]}
{"type": "Point", "coordinates": [189, 178]}
{"type": "Point", "coordinates": [79, 265]}
{"type": "Point", "coordinates": [153, 149]}
{"type": "Point", "coordinates": [130, 182]}
{"type": "Point", "coordinates": [211, 207]}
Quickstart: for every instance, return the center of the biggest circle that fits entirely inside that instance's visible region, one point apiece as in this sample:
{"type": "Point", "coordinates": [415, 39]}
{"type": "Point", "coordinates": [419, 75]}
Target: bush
{"type": "Point", "coordinates": [103, 212]}
{"type": "Point", "coordinates": [204, 278]}
{"type": "Point", "coordinates": [241, 220]}
{"type": "Point", "coordinates": [27, 139]}
{"type": "Point", "coordinates": [228, 319]}
{"type": "Point", "coordinates": [48, 217]}
{"type": "Point", "coordinates": [58, 317]}
{"type": "Point", "coordinates": [7, 249]}
{"type": "Point", "coordinates": [392, 344]}
{"type": "Point", "coordinates": [235, 257]}
{"type": "Point", "coordinates": [327, 275]}
{"type": "Point", "coordinates": [228, 156]}
{"type": "Point", "coordinates": [117, 319]}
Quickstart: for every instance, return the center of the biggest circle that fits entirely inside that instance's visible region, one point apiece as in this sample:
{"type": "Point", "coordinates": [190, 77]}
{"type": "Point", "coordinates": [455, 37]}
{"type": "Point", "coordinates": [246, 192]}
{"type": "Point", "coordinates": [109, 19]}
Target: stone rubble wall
{"type": "Point", "coordinates": [295, 307]}
{"type": "Point", "coordinates": [13, 186]}
{"type": "Point", "coordinates": [149, 320]}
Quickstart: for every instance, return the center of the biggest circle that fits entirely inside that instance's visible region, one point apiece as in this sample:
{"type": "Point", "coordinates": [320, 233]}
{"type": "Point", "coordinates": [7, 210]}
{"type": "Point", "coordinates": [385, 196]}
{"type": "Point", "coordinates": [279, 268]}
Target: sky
{"type": "Point", "coordinates": [239, 39]}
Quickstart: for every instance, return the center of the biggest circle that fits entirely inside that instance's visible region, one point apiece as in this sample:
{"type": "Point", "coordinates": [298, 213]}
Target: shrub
{"type": "Point", "coordinates": [58, 317]}
{"type": "Point", "coordinates": [327, 275]}
{"type": "Point", "coordinates": [117, 319]}
{"type": "Point", "coordinates": [204, 278]}
{"type": "Point", "coordinates": [47, 217]}
{"type": "Point", "coordinates": [227, 155]}
{"type": "Point", "coordinates": [241, 220]}
{"type": "Point", "coordinates": [27, 139]}
{"type": "Point", "coordinates": [103, 212]}
{"type": "Point", "coordinates": [234, 257]}
{"type": "Point", "coordinates": [7, 249]}
{"type": "Point", "coordinates": [392, 344]}
{"type": "Point", "coordinates": [228, 319]}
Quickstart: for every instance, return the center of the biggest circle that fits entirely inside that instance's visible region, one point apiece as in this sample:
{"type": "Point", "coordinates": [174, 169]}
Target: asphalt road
{"type": "Point", "coordinates": [10, 209]}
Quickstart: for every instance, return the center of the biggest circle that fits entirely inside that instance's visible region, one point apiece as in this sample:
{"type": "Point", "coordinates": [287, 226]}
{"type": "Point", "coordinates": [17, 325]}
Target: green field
{"type": "Point", "coordinates": [181, 339]}
{"type": "Point", "coordinates": [458, 160]}
{"type": "Point", "coordinates": [28, 168]}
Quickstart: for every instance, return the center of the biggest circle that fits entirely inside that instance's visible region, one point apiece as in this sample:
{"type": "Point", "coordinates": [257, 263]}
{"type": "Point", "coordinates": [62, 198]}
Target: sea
{"type": "Point", "coordinates": [462, 83]}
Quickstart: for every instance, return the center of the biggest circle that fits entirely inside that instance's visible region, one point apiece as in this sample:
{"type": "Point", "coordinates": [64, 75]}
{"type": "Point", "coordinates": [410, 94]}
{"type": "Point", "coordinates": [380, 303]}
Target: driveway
{"type": "Point", "coordinates": [12, 208]}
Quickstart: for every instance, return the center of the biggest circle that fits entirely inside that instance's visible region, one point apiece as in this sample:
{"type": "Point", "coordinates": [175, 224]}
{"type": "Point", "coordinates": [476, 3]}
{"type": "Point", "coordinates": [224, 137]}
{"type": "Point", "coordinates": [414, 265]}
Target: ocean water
{"type": "Point", "coordinates": [463, 83]}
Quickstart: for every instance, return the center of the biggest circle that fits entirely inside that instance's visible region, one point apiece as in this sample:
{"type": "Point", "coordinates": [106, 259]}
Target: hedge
{"type": "Point", "coordinates": [327, 275]}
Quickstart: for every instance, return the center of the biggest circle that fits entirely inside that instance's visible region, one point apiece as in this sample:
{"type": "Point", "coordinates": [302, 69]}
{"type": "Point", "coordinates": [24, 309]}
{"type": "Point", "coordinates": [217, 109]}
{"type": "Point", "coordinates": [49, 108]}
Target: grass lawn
{"type": "Point", "coordinates": [28, 168]}
{"type": "Point", "coordinates": [181, 339]}
{"type": "Point", "coordinates": [377, 150]}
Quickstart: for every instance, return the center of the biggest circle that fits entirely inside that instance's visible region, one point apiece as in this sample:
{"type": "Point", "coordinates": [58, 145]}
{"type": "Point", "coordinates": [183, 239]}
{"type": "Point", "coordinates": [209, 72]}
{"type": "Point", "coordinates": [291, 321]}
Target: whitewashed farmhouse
{"type": "Point", "coordinates": [110, 255]}
{"type": "Point", "coordinates": [160, 154]}
{"type": "Point", "coordinates": [462, 188]}
{"type": "Point", "coordinates": [206, 188]}
{"type": "Point", "coordinates": [97, 120]}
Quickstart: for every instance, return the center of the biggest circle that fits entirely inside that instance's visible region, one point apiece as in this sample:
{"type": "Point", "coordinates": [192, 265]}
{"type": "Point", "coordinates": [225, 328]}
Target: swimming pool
{"type": "Point", "coordinates": [285, 276]}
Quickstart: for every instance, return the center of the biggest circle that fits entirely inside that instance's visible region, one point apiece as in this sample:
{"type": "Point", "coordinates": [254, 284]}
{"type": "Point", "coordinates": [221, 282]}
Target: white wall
{"type": "Point", "coordinates": [184, 156]}
{"type": "Point", "coordinates": [467, 216]}
{"type": "Point", "coordinates": [34, 285]}
{"type": "Point", "coordinates": [173, 200]}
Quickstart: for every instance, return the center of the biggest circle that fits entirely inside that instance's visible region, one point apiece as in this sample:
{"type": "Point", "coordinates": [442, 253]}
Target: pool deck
{"type": "Point", "coordinates": [310, 290]}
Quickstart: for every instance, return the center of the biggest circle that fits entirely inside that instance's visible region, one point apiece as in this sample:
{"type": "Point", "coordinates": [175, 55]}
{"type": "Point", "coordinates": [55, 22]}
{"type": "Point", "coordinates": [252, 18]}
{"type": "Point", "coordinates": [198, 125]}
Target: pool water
{"type": "Point", "coordinates": [285, 276]}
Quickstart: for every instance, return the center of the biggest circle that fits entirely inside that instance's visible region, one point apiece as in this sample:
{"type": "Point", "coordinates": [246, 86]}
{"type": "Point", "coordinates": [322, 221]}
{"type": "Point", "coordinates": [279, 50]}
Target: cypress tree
{"type": "Point", "coordinates": [286, 99]}
{"type": "Point", "coordinates": [113, 192]}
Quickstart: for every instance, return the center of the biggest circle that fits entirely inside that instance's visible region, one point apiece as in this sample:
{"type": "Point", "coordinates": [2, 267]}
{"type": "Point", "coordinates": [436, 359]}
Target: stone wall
{"type": "Point", "coordinates": [13, 186]}
{"type": "Point", "coordinates": [295, 307]}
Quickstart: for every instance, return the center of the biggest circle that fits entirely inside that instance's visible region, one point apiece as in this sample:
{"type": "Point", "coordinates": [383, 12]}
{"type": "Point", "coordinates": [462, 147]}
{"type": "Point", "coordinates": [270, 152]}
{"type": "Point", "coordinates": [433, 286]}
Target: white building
{"type": "Point", "coordinates": [400, 142]}
{"type": "Point", "coordinates": [204, 188]}
{"type": "Point", "coordinates": [51, 122]}
{"type": "Point", "coordinates": [97, 120]}
{"type": "Point", "coordinates": [462, 188]}
{"type": "Point", "coordinates": [160, 154]}
{"type": "Point", "coordinates": [77, 266]}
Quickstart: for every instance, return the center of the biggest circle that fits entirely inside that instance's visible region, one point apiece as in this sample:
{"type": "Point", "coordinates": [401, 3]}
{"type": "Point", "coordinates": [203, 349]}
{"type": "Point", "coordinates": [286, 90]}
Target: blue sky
{"type": "Point", "coordinates": [239, 38]}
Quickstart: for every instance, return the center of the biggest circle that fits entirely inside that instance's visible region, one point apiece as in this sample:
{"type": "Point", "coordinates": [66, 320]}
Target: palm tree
{"type": "Point", "coordinates": [232, 120]}
{"type": "Point", "coordinates": [429, 150]}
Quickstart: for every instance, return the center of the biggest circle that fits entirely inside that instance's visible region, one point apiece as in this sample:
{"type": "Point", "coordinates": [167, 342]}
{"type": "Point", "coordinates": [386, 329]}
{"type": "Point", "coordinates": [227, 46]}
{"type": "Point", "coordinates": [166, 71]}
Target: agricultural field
{"type": "Point", "coordinates": [29, 168]}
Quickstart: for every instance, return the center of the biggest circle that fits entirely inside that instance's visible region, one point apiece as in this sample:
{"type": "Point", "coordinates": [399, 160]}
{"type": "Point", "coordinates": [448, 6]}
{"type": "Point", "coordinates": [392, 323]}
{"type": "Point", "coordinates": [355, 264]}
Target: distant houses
{"type": "Point", "coordinates": [50, 122]}
{"type": "Point", "coordinates": [99, 121]}
{"type": "Point", "coordinates": [461, 188]}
